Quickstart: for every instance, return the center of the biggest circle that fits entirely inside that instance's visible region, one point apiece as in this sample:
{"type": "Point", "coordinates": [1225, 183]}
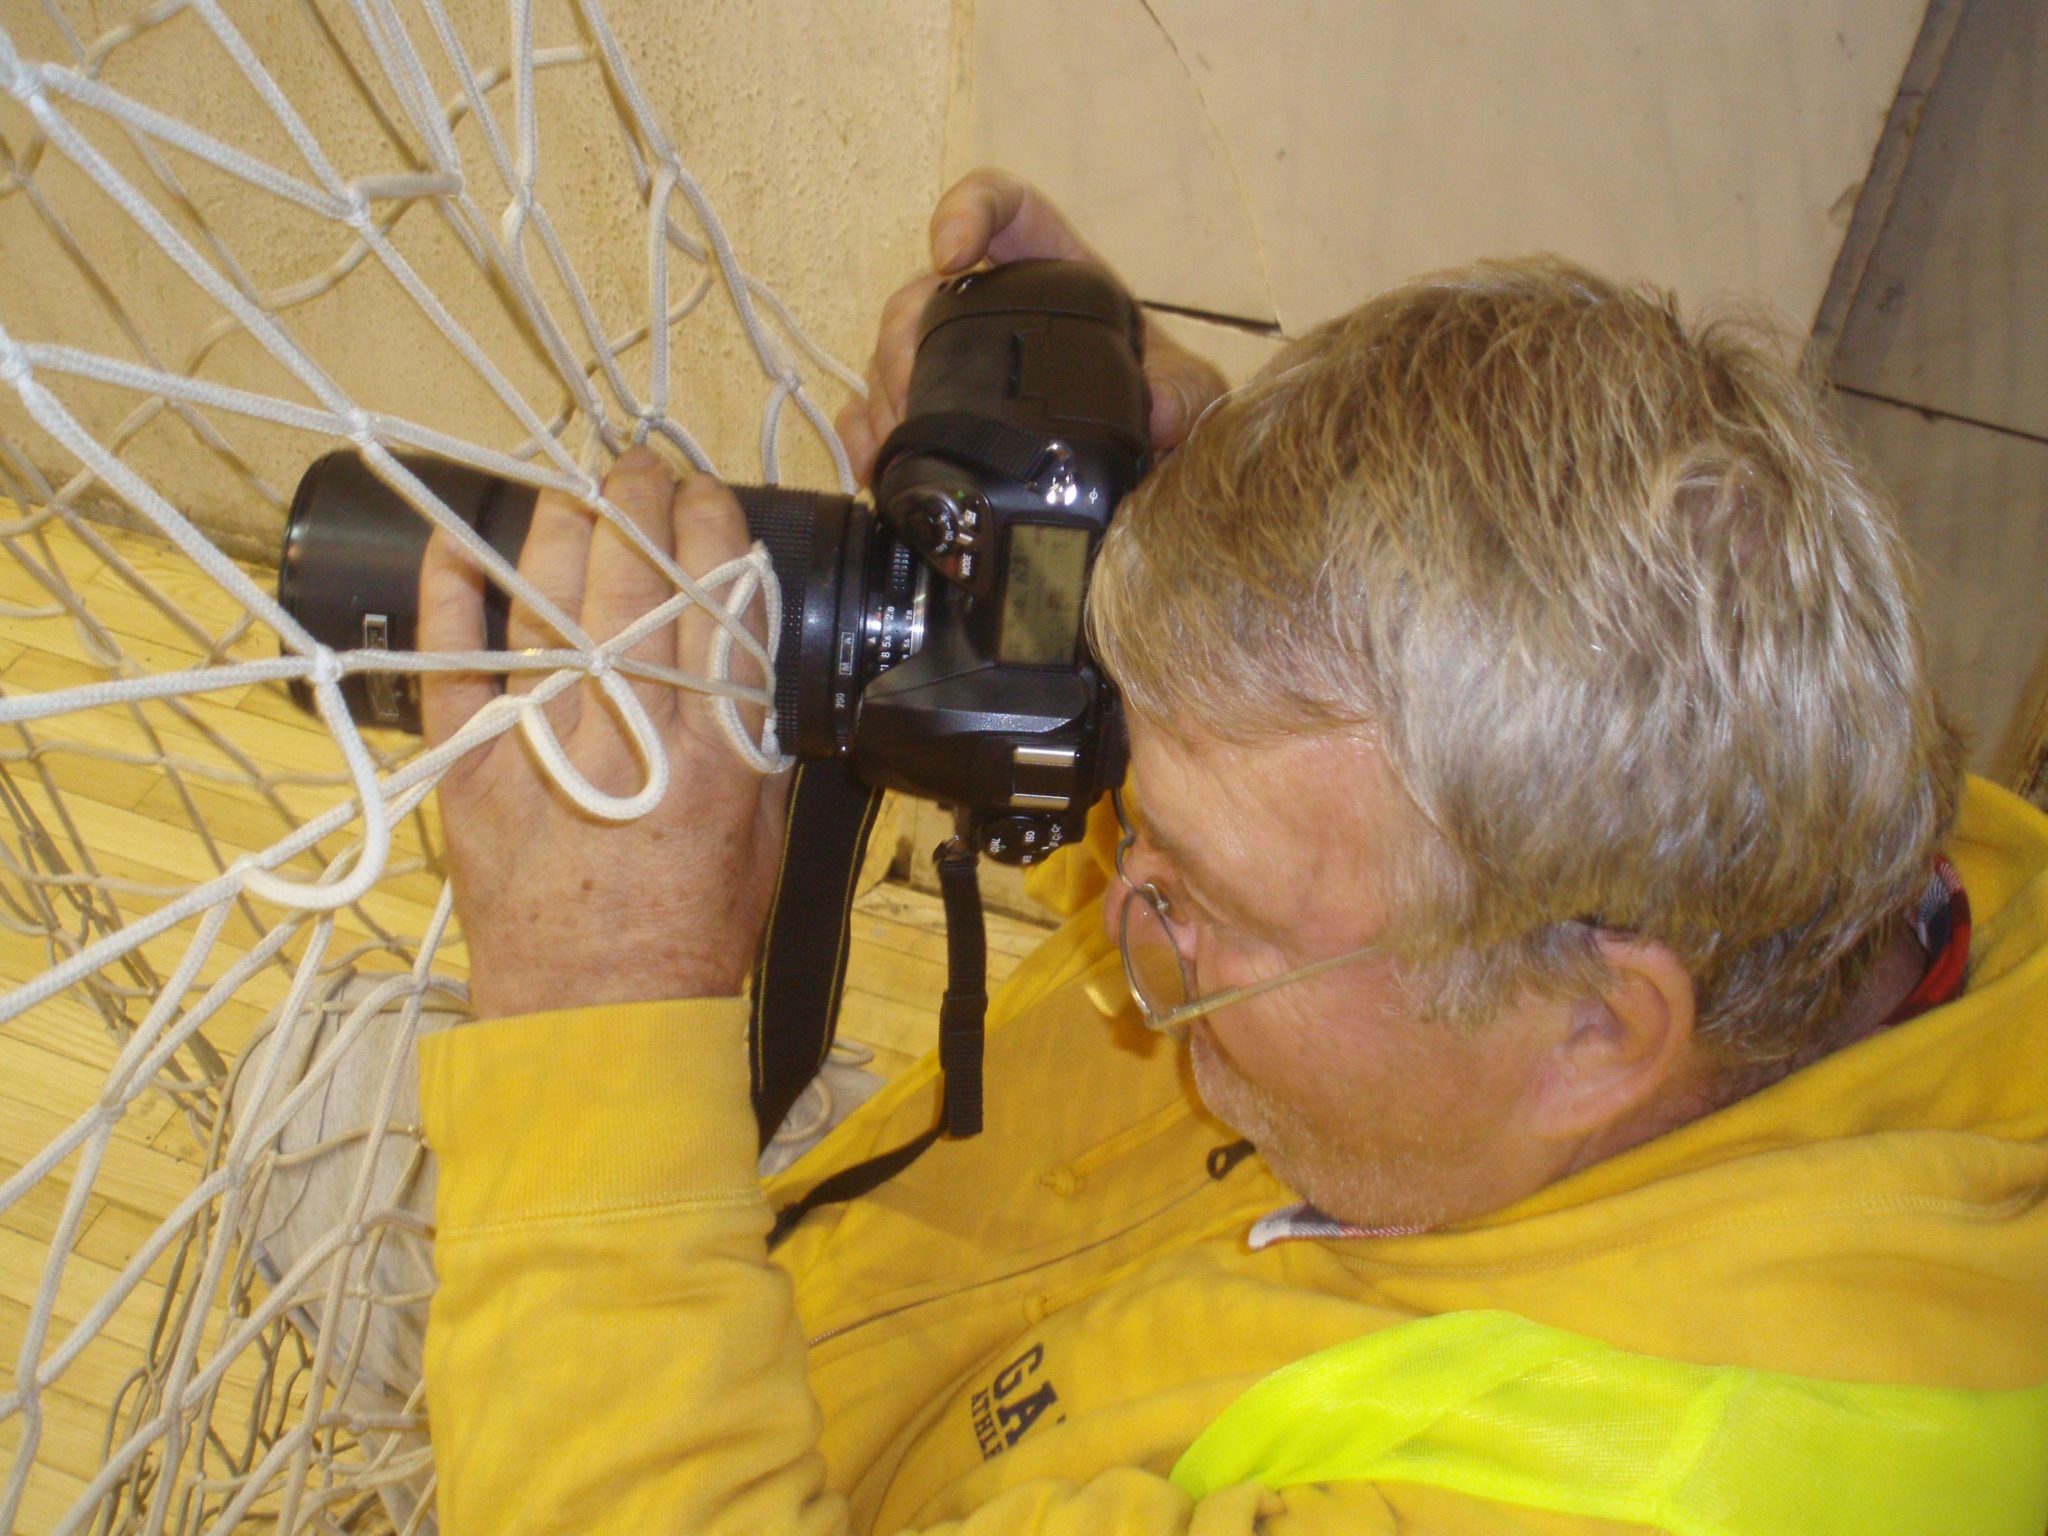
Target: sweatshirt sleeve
{"type": "Point", "coordinates": [609, 1348]}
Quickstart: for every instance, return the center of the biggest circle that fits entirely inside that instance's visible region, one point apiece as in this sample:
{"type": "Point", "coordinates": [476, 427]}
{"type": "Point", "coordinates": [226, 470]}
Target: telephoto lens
{"type": "Point", "coordinates": [353, 547]}
{"type": "Point", "coordinates": [932, 638]}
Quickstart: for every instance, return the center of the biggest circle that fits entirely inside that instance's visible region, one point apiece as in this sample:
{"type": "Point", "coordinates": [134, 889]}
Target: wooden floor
{"type": "Point", "coordinates": [155, 799]}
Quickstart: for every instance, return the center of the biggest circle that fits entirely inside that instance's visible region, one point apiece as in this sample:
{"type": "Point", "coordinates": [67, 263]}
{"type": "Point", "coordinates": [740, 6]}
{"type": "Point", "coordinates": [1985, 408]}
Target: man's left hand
{"type": "Point", "coordinates": [560, 909]}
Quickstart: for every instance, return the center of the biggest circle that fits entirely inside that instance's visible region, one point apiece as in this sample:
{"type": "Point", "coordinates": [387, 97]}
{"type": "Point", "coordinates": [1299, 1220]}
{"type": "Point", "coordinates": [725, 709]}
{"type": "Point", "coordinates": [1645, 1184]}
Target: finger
{"type": "Point", "coordinates": [710, 529]}
{"type": "Point", "coordinates": [552, 561]}
{"type": "Point", "coordinates": [896, 343]}
{"type": "Point", "coordinates": [1183, 386]}
{"type": "Point", "coordinates": [623, 583]}
{"type": "Point", "coordinates": [451, 619]}
{"type": "Point", "coordinates": [859, 442]}
{"type": "Point", "coordinates": [991, 215]}
{"type": "Point", "coordinates": [882, 416]}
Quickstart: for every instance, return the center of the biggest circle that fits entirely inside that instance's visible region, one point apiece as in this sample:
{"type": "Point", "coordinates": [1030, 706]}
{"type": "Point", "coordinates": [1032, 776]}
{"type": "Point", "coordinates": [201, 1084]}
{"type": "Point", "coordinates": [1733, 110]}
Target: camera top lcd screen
{"type": "Point", "coordinates": [1042, 594]}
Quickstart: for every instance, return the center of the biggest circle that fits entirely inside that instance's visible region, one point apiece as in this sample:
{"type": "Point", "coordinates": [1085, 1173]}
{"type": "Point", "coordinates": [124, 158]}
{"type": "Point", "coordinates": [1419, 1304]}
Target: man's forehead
{"type": "Point", "coordinates": [1235, 808]}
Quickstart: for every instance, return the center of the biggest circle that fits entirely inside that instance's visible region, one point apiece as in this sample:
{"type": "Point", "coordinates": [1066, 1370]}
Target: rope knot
{"type": "Point", "coordinates": [14, 365]}
{"type": "Point", "coordinates": [361, 431]}
{"type": "Point", "coordinates": [24, 82]}
{"type": "Point", "coordinates": [326, 666]}
{"type": "Point", "coordinates": [596, 664]}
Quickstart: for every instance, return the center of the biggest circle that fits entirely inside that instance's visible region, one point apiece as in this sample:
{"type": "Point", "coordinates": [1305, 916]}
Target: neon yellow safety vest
{"type": "Point", "coordinates": [1496, 1406]}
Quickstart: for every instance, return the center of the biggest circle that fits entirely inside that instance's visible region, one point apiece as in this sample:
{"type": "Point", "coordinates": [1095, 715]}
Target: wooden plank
{"type": "Point", "coordinates": [114, 726]}
{"type": "Point", "coordinates": [1880, 187]}
{"type": "Point", "coordinates": [99, 1373]}
{"type": "Point", "coordinates": [1972, 505]}
{"type": "Point", "coordinates": [1952, 311]}
{"type": "Point", "coordinates": [125, 1340]}
{"type": "Point", "coordinates": [72, 1441]}
{"type": "Point", "coordinates": [60, 635]}
{"type": "Point", "coordinates": [31, 1075]}
{"type": "Point", "coordinates": [132, 1173]}
{"type": "Point", "coordinates": [48, 1496]}
{"type": "Point", "coordinates": [922, 910]}
{"type": "Point", "coordinates": [905, 1026]}
{"type": "Point", "coordinates": [158, 853]}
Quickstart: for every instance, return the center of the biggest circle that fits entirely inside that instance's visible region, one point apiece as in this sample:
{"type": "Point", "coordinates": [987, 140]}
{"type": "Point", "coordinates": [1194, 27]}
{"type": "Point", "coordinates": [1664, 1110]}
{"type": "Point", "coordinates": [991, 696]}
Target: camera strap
{"type": "Point", "coordinates": [975, 440]}
{"type": "Point", "coordinates": [791, 1004]}
{"type": "Point", "coordinates": [801, 969]}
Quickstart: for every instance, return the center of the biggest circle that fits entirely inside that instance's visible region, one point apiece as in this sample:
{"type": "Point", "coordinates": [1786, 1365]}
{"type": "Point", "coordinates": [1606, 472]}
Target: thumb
{"type": "Point", "coordinates": [1183, 386]}
{"type": "Point", "coordinates": [990, 214]}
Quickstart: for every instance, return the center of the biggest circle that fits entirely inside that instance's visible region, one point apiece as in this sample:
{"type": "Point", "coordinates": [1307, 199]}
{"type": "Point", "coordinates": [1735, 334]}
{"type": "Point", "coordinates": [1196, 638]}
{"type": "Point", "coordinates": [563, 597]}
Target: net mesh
{"type": "Point", "coordinates": [213, 910]}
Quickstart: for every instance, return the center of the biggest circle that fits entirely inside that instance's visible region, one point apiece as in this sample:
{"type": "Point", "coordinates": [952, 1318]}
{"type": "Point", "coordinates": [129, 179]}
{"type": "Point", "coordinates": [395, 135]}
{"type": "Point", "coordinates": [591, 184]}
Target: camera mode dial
{"type": "Point", "coordinates": [944, 525]}
{"type": "Point", "coordinates": [1021, 839]}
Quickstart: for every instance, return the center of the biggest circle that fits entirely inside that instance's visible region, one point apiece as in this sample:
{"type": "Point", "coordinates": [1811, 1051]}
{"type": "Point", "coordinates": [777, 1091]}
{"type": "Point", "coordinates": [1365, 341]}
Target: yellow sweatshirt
{"type": "Point", "coordinates": [1024, 1331]}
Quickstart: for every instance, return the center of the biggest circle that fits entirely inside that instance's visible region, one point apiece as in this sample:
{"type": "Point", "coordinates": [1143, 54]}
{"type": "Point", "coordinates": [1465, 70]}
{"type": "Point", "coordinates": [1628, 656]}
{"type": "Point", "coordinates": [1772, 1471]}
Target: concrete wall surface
{"type": "Point", "coordinates": [815, 130]}
{"type": "Point", "coordinates": [1278, 162]}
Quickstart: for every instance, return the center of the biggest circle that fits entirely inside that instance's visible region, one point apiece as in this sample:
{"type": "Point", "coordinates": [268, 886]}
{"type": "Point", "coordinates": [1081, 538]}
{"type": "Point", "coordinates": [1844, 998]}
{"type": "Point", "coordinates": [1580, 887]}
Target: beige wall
{"type": "Point", "coordinates": [1275, 164]}
{"type": "Point", "coordinates": [816, 130]}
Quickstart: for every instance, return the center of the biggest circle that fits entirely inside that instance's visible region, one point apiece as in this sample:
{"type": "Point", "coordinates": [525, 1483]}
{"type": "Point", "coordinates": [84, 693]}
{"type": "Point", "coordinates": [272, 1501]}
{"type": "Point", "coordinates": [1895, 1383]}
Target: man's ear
{"type": "Point", "coordinates": [1620, 1055]}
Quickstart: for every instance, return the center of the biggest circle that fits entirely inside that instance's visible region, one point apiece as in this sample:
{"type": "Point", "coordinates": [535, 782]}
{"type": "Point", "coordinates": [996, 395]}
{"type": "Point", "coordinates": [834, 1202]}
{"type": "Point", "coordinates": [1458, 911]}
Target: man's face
{"type": "Point", "coordinates": [1275, 856]}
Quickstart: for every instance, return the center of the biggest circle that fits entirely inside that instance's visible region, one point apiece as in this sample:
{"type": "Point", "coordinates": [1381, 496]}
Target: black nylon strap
{"type": "Point", "coordinates": [975, 441]}
{"type": "Point", "coordinates": [960, 1044]}
{"type": "Point", "coordinates": [966, 1006]}
{"type": "Point", "coordinates": [801, 968]}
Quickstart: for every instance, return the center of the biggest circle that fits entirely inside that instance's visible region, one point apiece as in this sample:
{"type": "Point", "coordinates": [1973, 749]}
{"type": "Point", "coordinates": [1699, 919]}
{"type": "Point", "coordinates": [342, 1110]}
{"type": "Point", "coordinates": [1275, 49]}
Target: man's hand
{"type": "Point", "coordinates": [560, 909]}
{"type": "Point", "coordinates": [993, 216]}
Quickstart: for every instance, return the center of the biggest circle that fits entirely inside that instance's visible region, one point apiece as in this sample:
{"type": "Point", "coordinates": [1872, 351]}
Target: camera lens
{"type": "Point", "coordinates": [853, 595]}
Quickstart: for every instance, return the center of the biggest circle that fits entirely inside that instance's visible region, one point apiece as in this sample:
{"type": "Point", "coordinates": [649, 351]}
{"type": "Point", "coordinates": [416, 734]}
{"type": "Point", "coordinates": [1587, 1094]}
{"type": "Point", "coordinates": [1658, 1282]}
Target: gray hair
{"type": "Point", "coordinates": [1634, 633]}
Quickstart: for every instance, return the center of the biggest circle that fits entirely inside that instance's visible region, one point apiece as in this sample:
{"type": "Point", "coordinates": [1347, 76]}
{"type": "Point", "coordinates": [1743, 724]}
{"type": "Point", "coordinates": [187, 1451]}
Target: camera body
{"type": "Point", "coordinates": [933, 637]}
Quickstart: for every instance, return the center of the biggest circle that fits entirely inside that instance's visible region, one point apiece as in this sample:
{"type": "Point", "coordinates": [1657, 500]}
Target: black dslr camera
{"type": "Point", "coordinates": [933, 637]}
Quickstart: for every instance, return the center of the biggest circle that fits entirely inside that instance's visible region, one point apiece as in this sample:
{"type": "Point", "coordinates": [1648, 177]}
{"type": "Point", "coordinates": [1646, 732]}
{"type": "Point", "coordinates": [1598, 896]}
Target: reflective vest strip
{"type": "Point", "coordinates": [1493, 1405]}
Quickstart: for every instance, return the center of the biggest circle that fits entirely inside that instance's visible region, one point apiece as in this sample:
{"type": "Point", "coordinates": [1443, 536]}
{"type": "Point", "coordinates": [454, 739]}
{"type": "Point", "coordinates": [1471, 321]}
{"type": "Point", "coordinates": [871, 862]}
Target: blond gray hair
{"type": "Point", "coordinates": [1633, 632]}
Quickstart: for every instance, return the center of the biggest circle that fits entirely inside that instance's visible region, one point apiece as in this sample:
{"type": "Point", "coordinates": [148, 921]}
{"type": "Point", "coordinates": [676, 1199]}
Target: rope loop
{"type": "Point", "coordinates": [567, 777]}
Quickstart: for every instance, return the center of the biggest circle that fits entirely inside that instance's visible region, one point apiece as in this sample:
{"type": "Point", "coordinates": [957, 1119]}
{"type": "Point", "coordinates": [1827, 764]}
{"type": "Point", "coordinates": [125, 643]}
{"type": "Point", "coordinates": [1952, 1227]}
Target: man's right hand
{"type": "Point", "coordinates": [995, 217]}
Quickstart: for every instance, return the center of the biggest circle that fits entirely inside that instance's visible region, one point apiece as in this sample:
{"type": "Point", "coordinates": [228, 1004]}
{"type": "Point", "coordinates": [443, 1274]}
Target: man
{"type": "Point", "coordinates": [1544, 834]}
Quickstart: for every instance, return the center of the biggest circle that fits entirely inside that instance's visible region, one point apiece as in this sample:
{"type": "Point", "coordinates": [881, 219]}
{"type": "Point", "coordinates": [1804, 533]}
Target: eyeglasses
{"type": "Point", "coordinates": [1160, 978]}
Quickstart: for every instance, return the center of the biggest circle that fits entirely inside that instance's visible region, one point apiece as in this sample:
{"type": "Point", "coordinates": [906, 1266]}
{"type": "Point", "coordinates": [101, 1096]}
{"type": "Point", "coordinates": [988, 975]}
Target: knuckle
{"type": "Point", "coordinates": [703, 499]}
{"type": "Point", "coordinates": [903, 306]}
{"type": "Point", "coordinates": [640, 482]}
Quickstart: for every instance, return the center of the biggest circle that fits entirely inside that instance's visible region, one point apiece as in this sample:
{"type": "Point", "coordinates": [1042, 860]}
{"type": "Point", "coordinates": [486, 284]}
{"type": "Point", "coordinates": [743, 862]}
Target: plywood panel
{"type": "Point", "coordinates": [1973, 506]}
{"type": "Point", "coordinates": [1953, 310]}
{"type": "Point", "coordinates": [1709, 148]}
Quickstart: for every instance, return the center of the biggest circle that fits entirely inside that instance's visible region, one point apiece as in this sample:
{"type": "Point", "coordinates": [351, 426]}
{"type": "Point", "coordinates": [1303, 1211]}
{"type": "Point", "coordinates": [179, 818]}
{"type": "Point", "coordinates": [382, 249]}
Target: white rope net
{"type": "Point", "coordinates": [213, 920]}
